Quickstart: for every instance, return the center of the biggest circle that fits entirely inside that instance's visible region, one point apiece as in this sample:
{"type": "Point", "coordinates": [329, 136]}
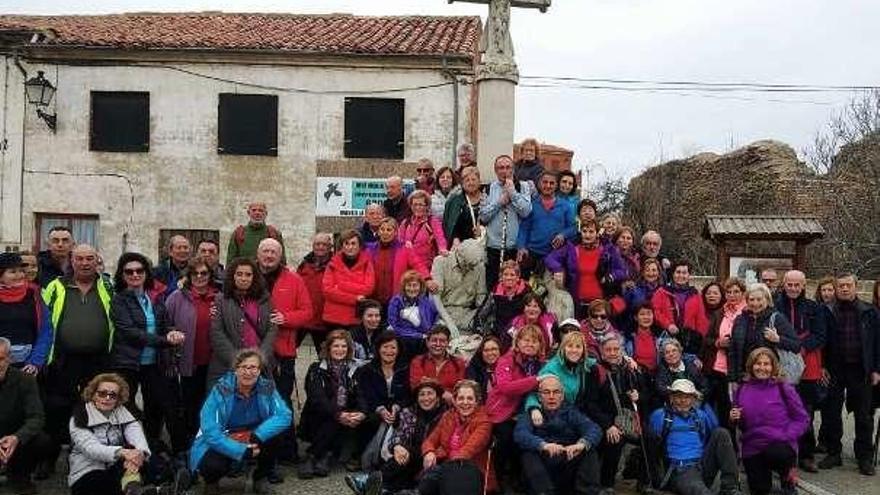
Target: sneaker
{"type": "Point", "coordinates": [357, 482]}
{"type": "Point", "coordinates": [830, 461]}
{"type": "Point", "coordinates": [866, 467]}
{"type": "Point", "coordinates": [263, 487]}
{"type": "Point", "coordinates": [374, 484]}
{"type": "Point", "coordinates": [306, 470]}
{"type": "Point", "coordinates": [809, 465]}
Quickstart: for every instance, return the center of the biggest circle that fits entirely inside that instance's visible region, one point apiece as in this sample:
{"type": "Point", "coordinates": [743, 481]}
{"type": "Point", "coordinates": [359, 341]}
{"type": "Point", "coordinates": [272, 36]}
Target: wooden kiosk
{"type": "Point", "coordinates": [746, 244]}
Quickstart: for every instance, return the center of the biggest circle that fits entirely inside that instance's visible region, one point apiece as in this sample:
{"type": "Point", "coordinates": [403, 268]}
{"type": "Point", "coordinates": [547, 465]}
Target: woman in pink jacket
{"type": "Point", "coordinates": [422, 232]}
{"type": "Point", "coordinates": [348, 278]}
{"type": "Point", "coordinates": [516, 375]}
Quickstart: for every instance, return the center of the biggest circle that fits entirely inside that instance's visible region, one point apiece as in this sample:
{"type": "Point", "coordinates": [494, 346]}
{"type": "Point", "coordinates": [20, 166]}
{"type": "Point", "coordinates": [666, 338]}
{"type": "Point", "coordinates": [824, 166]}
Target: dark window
{"type": "Point", "coordinates": [247, 124]}
{"type": "Point", "coordinates": [374, 128]}
{"type": "Point", "coordinates": [120, 121]}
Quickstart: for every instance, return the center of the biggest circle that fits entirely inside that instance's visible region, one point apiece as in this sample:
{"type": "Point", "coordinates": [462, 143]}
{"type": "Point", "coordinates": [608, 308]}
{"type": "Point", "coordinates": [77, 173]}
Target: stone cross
{"type": "Point", "coordinates": [496, 44]}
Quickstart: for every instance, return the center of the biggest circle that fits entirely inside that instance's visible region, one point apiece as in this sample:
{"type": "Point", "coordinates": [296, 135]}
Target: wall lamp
{"type": "Point", "coordinates": [39, 93]}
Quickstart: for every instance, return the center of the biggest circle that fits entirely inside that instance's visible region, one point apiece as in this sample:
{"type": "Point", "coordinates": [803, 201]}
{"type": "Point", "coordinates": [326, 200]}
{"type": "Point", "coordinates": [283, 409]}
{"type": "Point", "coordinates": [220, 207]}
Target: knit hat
{"type": "Point", "coordinates": [9, 260]}
{"type": "Point", "coordinates": [684, 386]}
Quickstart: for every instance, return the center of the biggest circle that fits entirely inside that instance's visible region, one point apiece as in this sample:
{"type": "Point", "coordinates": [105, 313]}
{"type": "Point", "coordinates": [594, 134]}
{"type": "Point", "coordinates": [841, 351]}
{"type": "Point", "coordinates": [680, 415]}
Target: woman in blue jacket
{"type": "Point", "coordinates": [241, 420]}
{"type": "Point", "coordinates": [412, 313]}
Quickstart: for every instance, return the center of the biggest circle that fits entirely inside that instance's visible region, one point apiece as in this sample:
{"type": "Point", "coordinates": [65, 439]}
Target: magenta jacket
{"type": "Point", "coordinates": [512, 384]}
{"type": "Point", "coordinates": [427, 238]}
{"type": "Point", "coordinates": [772, 412]}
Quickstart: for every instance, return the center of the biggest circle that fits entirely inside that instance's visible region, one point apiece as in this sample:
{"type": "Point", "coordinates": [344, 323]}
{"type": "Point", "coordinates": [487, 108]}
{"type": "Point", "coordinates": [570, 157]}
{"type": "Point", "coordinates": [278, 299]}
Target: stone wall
{"type": "Point", "coordinates": [765, 177]}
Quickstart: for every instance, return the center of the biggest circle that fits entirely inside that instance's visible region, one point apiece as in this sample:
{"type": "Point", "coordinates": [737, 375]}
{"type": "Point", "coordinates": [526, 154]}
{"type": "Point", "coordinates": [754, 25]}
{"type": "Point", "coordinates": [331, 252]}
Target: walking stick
{"type": "Point", "coordinates": [486, 474]}
{"type": "Point", "coordinates": [650, 478]}
{"type": "Point", "coordinates": [731, 393]}
{"type": "Point", "coordinates": [876, 441]}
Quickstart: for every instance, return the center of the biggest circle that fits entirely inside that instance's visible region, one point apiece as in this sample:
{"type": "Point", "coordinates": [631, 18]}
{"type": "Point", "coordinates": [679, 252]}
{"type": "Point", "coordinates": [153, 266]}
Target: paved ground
{"type": "Point", "coordinates": [841, 481]}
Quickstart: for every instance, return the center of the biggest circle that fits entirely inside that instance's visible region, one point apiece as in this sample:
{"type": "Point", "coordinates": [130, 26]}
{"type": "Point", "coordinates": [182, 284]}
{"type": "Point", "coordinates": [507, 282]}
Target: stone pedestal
{"type": "Point", "coordinates": [495, 122]}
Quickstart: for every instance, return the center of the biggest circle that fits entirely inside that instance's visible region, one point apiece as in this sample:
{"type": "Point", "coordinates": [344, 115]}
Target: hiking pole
{"type": "Point", "coordinates": [876, 441]}
{"type": "Point", "coordinates": [649, 478]}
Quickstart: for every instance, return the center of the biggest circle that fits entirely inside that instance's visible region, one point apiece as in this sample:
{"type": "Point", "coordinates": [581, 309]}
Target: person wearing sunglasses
{"type": "Point", "coordinates": [189, 311]}
{"type": "Point", "coordinates": [425, 176]}
{"type": "Point", "coordinates": [108, 449]}
{"type": "Point", "coordinates": [141, 332]}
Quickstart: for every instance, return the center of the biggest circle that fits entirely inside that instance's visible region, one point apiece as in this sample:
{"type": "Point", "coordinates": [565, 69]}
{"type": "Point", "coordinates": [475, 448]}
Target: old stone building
{"type": "Point", "coordinates": [766, 177]}
{"type": "Point", "coordinates": [172, 122]}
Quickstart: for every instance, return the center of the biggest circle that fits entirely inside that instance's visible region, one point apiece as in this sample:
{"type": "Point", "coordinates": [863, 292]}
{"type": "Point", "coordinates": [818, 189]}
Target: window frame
{"type": "Point", "coordinates": [99, 143]}
{"type": "Point", "coordinates": [226, 129]}
{"type": "Point", "coordinates": [353, 123]}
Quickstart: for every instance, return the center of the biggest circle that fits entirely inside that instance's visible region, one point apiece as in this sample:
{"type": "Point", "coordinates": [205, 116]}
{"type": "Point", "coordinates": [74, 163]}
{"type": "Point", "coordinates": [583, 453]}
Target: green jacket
{"type": "Point", "coordinates": [455, 204]}
{"type": "Point", "coordinates": [245, 239]}
{"type": "Point", "coordinates": [573, 378]}
{"type": "Point", "coordinates": [21, 412]}
{"type": "Point", "coordinates": [55, 294]}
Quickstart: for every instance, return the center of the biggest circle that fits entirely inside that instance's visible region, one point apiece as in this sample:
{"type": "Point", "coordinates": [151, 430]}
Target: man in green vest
{"type": "Point", "coordinates": [80, 307]}
{"type": "Point", "coordinates": [246, 238]}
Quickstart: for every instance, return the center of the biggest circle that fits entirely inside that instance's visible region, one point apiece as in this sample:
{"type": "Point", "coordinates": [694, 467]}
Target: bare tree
{"type": "Point", "coordinates": [858, 120]}
{"type": "Point", "coordinates": [609, 195]}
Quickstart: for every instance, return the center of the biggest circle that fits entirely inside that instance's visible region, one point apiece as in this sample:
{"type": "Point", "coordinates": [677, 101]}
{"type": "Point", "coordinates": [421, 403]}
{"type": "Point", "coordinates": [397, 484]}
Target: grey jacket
{"type": "Point", "coordinates": [492, 215]}
{"type": "Point", "coordinates": [226, 335]}
{"type": "Point", "coordinates": [96, 446]}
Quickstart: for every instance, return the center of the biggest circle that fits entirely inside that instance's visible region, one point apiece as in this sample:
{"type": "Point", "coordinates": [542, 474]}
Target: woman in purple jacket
{"type": "Point", "coordinates": [411, 314]}
{"type": "Point", "coordinates": [771, 417]}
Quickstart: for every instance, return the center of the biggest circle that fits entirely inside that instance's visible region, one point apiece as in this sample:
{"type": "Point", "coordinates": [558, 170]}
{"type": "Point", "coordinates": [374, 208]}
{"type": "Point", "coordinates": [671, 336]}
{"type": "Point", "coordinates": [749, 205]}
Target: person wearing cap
{"type": "Point", "coordinates": [399, 472]}
{"type": "Point", "coordinates": [568, 325]}
{"type": "Point", "coordinates": [24, 316]}
{"type": "Point", "coordinates": [693, 445]}
{"type": "Point", "coordinates": [560, 453]}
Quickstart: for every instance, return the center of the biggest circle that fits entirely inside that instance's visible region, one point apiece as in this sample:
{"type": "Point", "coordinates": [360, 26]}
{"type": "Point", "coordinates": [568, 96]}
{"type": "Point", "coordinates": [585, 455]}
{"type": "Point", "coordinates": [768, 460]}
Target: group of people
{"type": "Point", "coordinates": [471, 338]}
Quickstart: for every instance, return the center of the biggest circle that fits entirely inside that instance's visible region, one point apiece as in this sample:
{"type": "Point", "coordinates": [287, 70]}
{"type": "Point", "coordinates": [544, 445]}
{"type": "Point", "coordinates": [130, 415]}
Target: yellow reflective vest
{"type": "Point", "coordinates": [55, 295]}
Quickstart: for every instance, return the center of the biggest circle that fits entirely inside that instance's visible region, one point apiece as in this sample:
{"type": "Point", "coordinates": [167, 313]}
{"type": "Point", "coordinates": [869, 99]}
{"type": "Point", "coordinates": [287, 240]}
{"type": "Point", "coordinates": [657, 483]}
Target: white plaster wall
{"type": "Point", "coordinates": [182, 182]}
{"type": "Point", "coordinates": [11, 128]}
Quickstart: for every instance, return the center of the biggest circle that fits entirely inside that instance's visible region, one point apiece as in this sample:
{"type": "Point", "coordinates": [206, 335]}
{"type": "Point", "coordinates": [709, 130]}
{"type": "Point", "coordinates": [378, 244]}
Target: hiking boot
{"type": "Point", "coordinates": [263, 487]}
{"type": "Point", "coordinates": [809, 465]}
{"type": "Point", "coordinates": [374, 484]}
{"type": "Point", "coordinates": [306, 469]}
{"type": "Point", "coordinates": [322, 466]}
{"type": "Point", "coordinates": [274, 476]}
{"type": "Point", "coordinates": [830, 461]}
{"type": "Point", "coordinates": [22, 486]}
{"type": "Point", "coordinates": [357, 482]}
{"type": "Point", "coordinates": [866, 467]}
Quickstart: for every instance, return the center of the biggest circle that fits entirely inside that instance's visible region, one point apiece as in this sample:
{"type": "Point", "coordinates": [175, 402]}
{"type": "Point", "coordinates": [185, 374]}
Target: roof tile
{"type": "Point", "coordinates": [335, 33]}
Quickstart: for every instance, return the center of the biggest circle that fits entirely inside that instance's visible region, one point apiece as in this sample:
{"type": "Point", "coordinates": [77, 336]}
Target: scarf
{"type": "Point", "coordinates": [530, 365]}
{"type": "Point", "coordinates": [339, 375]}
{"type": "Point", "coordinates": [349, 260]}
{"type": "Point", "coordinates": [13, 293]}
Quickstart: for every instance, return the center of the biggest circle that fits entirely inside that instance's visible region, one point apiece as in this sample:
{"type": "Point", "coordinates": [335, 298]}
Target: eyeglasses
{"type": "Point", "coordinates": [134, 271]}
{"type": "Point", "coordinates": [249, 368]}
{"type": "Point", "coordinates": [551, 393]}
{"type": "Point", "coordinates": [768, 280]}
{"type": "Point", "coordinates": [107, 394]}
{"type": "Point", "coordinates": [201, 273]}
{"type": "Point", "coordinates": [424, 170]}
{"type": "Point", "coordinates": [599, 317]}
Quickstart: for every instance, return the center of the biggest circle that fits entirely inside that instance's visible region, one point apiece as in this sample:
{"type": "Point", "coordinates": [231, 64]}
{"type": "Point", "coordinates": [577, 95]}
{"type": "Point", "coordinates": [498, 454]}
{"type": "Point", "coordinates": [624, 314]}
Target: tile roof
{"type": "Point", "coordinates": [333, 33]}
{"type": "Point", "coordinates": [757, 226]}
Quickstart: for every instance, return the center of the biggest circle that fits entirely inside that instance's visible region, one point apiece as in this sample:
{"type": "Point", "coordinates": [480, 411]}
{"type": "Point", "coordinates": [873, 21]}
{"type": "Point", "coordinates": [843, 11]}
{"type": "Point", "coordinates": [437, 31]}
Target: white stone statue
{"type": "Point", "coordinates": [496, 44]}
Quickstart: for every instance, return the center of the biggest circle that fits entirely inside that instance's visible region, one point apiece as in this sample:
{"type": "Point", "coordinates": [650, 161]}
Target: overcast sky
{"type": "Point", "coordinates": [825, 42]}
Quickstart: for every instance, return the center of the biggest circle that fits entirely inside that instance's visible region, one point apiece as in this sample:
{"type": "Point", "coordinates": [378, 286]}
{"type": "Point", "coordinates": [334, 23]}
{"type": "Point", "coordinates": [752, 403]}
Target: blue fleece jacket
{"type": "Point", "coordinates": [216, 416]}
{"type": "Point", "coordinates": [688, 433]}
{"type": "Point", "coordinates": [542, 225]}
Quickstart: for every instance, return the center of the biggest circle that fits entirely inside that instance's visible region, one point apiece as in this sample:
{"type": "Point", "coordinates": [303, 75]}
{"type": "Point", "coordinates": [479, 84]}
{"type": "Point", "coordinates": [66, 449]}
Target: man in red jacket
{"type": "Point", "coordinates": [292, 309]}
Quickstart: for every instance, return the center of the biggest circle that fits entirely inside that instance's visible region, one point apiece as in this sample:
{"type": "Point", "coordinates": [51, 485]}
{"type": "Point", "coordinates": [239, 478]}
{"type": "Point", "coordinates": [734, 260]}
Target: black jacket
{"type": "Point", "coordinates": [748, 335]}
{"type": "Point", "coordinates": [373, 391]}
{"type": "Point", "coordinates": [47, 269]}
{"type": "Point", "coordinates": [21, 412]}
{"type": "Point", "coordinates": [321, 394]}
{"type": "Point", "coordinates": [869, 324]}
{"type": "Point", "coordinates": [599, 401]}
{"type": "Point", "coordinates": [130, 335]}
{"type": "Point", "coordinates": [809, 319]}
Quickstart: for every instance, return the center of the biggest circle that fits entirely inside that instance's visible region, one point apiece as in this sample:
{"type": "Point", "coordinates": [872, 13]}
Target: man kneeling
{"type": "Point", "coordinates": [558, 455]}
{"type": "Point", "coordinates": [695, 448]}
{"type": "Point", "coordinates": [241, 420]}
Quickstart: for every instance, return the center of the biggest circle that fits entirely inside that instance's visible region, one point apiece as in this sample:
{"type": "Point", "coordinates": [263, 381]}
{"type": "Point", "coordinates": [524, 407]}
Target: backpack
{"type": "Point", "coordinates": [238, 234]}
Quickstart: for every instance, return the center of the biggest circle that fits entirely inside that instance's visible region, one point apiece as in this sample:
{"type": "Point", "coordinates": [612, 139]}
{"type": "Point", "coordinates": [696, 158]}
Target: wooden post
{"type": "Point", "coordinates": [721, 260]}
{"type": "Point", "coordinates": [800, 252]}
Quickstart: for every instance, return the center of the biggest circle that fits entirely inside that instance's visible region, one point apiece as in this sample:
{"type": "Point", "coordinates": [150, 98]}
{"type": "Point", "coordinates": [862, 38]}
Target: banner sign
{"type": "Point", "coordinates": [347, 196]}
